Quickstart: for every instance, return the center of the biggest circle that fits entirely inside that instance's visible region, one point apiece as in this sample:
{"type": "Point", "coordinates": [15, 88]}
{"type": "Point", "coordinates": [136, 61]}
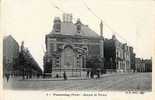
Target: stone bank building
{"type": "Point", "coordinates": [69, 45]}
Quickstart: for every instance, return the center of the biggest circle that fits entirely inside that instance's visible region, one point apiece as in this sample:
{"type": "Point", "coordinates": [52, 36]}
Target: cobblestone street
{"type": "Point", "coordinates": [117, 82]}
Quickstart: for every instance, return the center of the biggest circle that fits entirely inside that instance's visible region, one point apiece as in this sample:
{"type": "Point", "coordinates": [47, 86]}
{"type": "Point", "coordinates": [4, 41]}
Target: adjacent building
{"type": "Point", "coordinates": [10, 53]}
{"type": "Point", "coordinates": [126, 58]}
{"type": "Point", "coordinates": [113, 54]}
{"type": "Point", "coordinates": [117, 55]}
{"type": "Point", "coordinates": [132, 59]}
{"type": "Point", "coordinates": [69, 45]}
{"type": "Point", "coordinates": [18, 61]}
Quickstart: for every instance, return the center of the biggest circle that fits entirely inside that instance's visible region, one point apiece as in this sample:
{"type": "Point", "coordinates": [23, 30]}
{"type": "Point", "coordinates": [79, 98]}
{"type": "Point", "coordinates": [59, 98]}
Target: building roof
{"type": "Point", "coordinates": [70, 29]}
{"type": "Point", "coordinates": [10, 38]}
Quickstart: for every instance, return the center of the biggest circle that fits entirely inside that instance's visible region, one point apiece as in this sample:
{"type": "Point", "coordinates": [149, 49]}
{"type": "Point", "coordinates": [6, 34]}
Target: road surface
{"type": "Point", "coordinates": [112, 82]}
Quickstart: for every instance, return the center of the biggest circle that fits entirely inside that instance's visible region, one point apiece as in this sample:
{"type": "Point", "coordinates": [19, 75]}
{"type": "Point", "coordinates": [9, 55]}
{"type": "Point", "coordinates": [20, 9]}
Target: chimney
{"type": "Point", "coordinates": [101, 29]}
{"type": "Point", "coordinates": [78, 25]}
{"type": "Point", "coordinates": [67, 17]}
{"type": "Point", "coordinates": [57, 24]}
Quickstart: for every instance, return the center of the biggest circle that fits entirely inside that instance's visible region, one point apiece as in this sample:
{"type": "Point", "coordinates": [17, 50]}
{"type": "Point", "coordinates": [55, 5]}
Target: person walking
{"type": "Point", "coordinates": [92, 74]}
{"type": "Point", "coordinates": [87, 74]}
{"type": "Point", "coordinates": [64, 75]}
{"type": "Point", "coordinates": [57, 76]}
{"type": "Point", "coordinates": [7, 77]}
{"type": "Point", "coordinates": [98, 74]}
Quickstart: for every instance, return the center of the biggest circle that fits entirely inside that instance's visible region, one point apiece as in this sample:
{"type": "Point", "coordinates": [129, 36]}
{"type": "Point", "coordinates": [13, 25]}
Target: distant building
{"type": "Point", "coordinates": [69, 45]}
{"type": "Point", "coordinates": [10, 53]}
{"type": "Point", "coordinates": [132, 59]}
{"type": "Point", "coordinates": [117, 55]}
{"type": "Point", "coordinates": [148, 65]}
{"type": "Point", "coordinates": [143, 65]}
{"type": "Point", "coordinates": [109, 54]}
{"type": "Point", "coordinates": [126, 58]}
{"type": "Point", "coordinates": [140, 65]}
{"type": "Point", "coordinates": [113, 53]}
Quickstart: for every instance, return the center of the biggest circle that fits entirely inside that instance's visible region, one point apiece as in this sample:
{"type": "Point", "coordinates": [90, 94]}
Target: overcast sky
{"type": "Point", "coordinates": [30, 20]}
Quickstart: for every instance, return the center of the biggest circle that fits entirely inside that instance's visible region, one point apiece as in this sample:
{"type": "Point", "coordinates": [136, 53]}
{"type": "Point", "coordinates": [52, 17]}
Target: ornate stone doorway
{"type": "Point", "coordinates": [67, 58]}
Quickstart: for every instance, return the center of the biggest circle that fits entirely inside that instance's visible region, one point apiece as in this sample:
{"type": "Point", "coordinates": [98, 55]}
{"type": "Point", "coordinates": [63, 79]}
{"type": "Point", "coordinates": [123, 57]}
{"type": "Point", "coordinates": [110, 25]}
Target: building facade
{"type": "Point", "coordinates": [143, 65]}
{"type": "Point", "coordinates": [10, 53]}
{"type": "Point", "coordinates": [148, 65]}
{"type": "Point", "coordinates": [69, 45]}
{"type": "Point", "coordinates": [126, 58]}
{"type": "Point", "coordinates": [132, 59]}
{"type": "Point", "coordinates": [117, 55]}
{"type": "Point", "coordinates": [113, 53]}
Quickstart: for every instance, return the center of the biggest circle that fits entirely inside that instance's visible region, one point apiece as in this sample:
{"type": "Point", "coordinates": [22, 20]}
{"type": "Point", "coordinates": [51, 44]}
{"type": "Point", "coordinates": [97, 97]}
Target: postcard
{"type": "Point", "coordinates": [77, 49]}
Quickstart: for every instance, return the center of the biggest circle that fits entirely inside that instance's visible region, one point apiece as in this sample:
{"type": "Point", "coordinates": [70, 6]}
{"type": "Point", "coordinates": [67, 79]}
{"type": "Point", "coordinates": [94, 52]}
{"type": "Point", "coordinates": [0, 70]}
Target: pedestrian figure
{"type": "Point", "coordinates": [57, 76]}
{"type": "Point", "coordinates": [92, 74]}
{"type": "Point", "coordinates": [23, 75]}
{"type": "Point", "coordinates": [98, 75]}
{"type": "Point", "coordinates": [64, 75]}
{"type": "Point", "coordinates": [27, 76]}
{"type": "Point", "coordinates": [7, 77]}
{"type": "Point", "coordinates": [87, 73]}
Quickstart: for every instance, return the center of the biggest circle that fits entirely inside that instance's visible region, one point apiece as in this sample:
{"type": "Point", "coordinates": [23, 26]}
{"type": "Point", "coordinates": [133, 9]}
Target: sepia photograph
{"type": "Point", "coordinates": [77, 45]}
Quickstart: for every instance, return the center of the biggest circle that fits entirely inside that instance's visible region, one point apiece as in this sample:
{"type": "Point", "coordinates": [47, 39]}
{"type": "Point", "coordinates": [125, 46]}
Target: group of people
{"type": "Point", "coordinates": [64, 76]}
{"type": "Point", "coordinates": [91, 74]}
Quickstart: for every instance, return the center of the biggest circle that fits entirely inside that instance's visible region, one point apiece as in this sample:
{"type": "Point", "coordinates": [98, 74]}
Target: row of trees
{"type": "Point", "coordinates": [25, 64]}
